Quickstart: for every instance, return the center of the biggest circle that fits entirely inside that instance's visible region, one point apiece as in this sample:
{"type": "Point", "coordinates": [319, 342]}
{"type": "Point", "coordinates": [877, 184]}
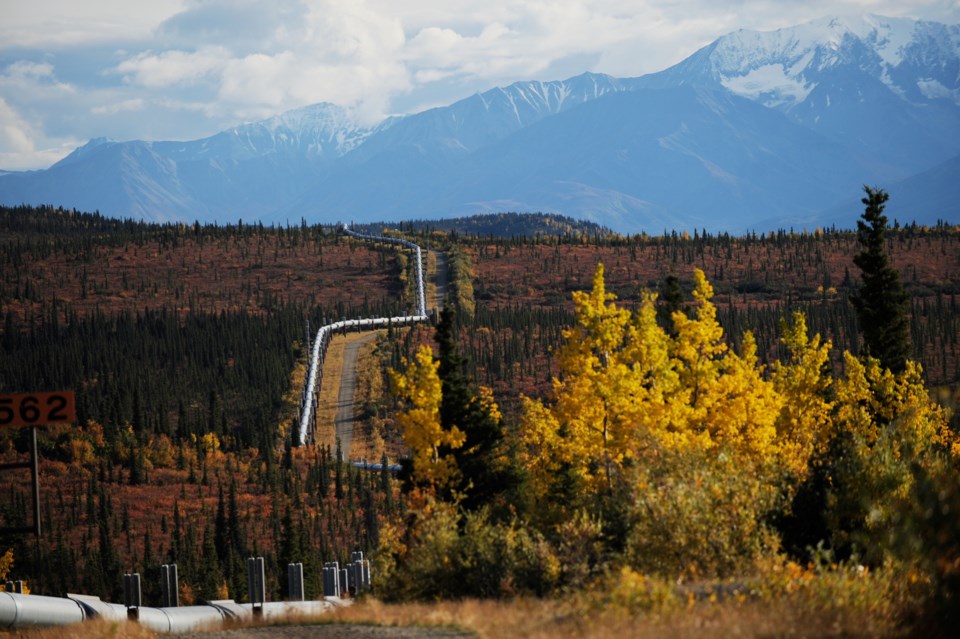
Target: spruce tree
{"type": "Point", "coordinates": [881, 303]}
{"type": "Point", "coordinates": [669, 301]}
{"type": "Point", "coordinates": [483, 476]}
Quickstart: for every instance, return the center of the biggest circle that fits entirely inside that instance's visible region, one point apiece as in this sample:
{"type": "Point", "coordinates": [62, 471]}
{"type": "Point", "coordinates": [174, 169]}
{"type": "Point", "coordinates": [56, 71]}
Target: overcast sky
{"type": "Point", "coordinates": [184, 69]}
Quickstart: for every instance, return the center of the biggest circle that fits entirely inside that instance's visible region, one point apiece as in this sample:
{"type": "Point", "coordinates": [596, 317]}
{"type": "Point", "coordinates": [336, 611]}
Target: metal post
{"type": "Point", "coordinates": [355, 570]}
{"type": "Point", "coordinates": [295, 582]}
{"type": "Point", "coordinates": [35, 472]}
{"type": "Point", "coordinates": [331, 579]}
{"type": "Point", "coordinates": [169, 585]}
{"type": "Point", "coordinates": [174, 586]}
{"type": "Point", "coordinates": [251, 581]}
{"type": "Point", "coordinates": [256, 584]}
{"type": "Point", "coordinates": [132, 595]}
{"type": "Point", "coordinates": [165, 586]}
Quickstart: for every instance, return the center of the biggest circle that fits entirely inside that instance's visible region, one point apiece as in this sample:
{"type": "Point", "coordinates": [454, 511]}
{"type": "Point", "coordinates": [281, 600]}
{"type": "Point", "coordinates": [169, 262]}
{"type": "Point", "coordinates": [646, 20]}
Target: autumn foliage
{"type": "Point", "coordinates": [666, 451]}
{"type": "Point", "coordinates": [419, 386]}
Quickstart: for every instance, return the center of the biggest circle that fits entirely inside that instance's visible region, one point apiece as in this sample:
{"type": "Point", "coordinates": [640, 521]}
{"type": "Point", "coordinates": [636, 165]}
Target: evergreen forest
{"type": "Point", "coordinates": [632, 413]}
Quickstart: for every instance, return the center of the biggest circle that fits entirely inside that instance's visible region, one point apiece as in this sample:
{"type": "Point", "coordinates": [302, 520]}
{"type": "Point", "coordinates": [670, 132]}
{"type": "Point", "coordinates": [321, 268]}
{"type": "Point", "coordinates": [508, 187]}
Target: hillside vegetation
{"type": "Point", "coordinates": [574, 432]}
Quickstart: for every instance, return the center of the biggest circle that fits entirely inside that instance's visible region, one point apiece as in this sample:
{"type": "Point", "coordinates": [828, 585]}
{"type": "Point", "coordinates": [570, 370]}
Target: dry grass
{"type": "Point", "coordinates": [326, 420]}
{"type": "Point", "coordinates": [96, 629]}
{"type": "Point", "coordinates": [551, 619]}
{"type": "Point", "coordinates": [787, 617]}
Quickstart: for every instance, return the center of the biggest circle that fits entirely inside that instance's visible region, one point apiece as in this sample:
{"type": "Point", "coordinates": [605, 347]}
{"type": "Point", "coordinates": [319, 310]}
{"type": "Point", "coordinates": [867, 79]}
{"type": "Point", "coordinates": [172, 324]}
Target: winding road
{"type": "Point", "coordinates": [346, 403]}
{"type": "Point", "coordinates": [346, 408]}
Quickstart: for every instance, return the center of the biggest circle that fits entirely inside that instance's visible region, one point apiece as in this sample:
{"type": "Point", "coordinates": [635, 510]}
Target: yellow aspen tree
{"type": "Point", "coordinates": [544, 453]}
{"type": "Point", "coordinates": [804, 421]}
{"type": "Point", "coordinates": [722, 399]}
{"type": "Point", "coordinates": [419, 387]}
{"type": "Point", "coordinates": [855, 404]}
{"type": "Point", "coordinates": [742, 413]}
{"type": "Point", "coordinates": [6, 564]}
{"type": "Point", "coordinates": [655, 378]}
{"type": "Point", "coordinates": [600, 400]}
{"type": "Point", "coordinates": [890, 430]}
{"type": "Point", "coordinates": [870, 397]}
{"type": "Point", "coordinates": [593, 394]}
{"type": "Point", "coordinates": [698, 351]}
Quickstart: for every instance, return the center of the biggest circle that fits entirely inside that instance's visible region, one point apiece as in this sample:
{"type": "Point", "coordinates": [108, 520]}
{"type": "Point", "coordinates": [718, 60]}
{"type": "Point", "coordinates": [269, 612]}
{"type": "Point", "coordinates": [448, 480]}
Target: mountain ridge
{"type": "Point", "coordinates": [863, 99]}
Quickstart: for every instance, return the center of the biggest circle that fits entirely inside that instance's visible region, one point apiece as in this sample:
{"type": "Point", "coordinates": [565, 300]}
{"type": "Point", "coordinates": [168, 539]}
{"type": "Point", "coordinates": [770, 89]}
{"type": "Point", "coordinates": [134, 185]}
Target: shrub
{"type": "Point", "coordinates": [928, 536]}
{"type": "Point", "coordinates": [699, 514]}
{"type": "Point", "coordinates": [441, 553]}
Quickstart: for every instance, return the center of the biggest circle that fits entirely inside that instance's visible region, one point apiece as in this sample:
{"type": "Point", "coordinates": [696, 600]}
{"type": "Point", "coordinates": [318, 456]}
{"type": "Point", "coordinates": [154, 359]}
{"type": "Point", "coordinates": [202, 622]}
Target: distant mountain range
{"type": "Point", "coordinates": [757, 130]}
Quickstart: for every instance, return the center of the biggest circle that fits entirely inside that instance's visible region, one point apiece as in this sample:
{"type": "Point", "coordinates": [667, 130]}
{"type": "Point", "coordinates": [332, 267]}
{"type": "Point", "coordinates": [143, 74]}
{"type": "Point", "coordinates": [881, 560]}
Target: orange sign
{"type": "Point", "coordinates": [38, 409]}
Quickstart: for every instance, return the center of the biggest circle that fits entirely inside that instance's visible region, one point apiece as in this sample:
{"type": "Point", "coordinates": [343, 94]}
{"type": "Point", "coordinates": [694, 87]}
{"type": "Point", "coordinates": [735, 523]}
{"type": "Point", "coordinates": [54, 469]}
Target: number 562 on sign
{"type": "Point", "coordinates": [37, 409]}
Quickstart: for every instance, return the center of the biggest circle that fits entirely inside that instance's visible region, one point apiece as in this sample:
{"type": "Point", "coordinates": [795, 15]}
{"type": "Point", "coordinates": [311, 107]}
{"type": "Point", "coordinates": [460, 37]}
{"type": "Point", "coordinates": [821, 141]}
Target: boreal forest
{"type": "Point", "coordinates": [635, 422]}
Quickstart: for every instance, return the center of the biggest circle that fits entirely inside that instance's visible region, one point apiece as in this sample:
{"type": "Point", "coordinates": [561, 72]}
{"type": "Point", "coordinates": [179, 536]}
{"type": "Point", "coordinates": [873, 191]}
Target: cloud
{"type": "Point", "coordinates": [243, 26]}
{"type": "Point", "coordinates": [133, 104]}
{"type": "Point", "coordinates": [258, 58]}
{"type": "Point", "coordinates": [18, 150]}
{"type": "Point", "coordinates": [14, 130]}
{"type": "Point", "coordinates": [62, 24]}
{"type": "Point", "coordinates": [181, 69]}
{"type": "Point", "coordinates": [172, 68]}
{"type": "Point", "coordinates": [25, 75]}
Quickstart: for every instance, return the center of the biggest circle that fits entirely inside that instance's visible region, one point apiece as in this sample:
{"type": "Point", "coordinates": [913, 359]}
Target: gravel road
{"type": "Point", "coordinates": [348, 384]}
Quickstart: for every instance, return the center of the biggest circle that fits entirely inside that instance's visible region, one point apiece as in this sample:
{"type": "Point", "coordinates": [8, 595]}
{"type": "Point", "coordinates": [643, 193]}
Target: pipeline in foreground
{"type": "Point", "coordinates": [23, 611]}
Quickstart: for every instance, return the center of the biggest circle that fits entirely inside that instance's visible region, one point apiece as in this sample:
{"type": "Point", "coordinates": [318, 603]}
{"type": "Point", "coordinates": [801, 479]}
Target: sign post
{"type": "Point", "coordinates": [34, 409]}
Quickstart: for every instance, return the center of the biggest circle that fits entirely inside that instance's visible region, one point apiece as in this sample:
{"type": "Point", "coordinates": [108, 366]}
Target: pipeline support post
{"type": "Point", "coordinates": [169, 586]}
{"type": "Point", "coordinates": [295, 582]}
{"type": "Point", "coordinates": [132, 595]}
{"type": "Point", "coordinates": [256, 584]}
{"type": "Point", "coordinates": [331, 579]}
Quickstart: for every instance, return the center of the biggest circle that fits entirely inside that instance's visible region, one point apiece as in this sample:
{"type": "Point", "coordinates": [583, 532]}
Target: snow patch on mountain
{"type": "Point", "coordinates": [933, 89]}
{"type": "Point", "coordinates": [781, 68]}
{"type": "Point", "coordinates": [770, 84]}
{"type": "Point", "coordinates": [548, 98]}
{"type": "Point", "coordinates": [316, 129]}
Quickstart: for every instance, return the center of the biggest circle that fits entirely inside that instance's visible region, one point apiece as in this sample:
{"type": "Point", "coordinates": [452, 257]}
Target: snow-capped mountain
{"type": "Point", "coordinates": [617, 160]}
{"type": "Point", "coordinates": [889, 85]}
{"type": "Point", "coordinates": [756, 129]}
{"type": "Point", "coordinates": [241, 172]}
{"type": "Point", "coordinates": [484, 118]}
{"type": "Point", "coordinates": [917, 60]}
{"type": "Point", "coordinates": [321, 132]}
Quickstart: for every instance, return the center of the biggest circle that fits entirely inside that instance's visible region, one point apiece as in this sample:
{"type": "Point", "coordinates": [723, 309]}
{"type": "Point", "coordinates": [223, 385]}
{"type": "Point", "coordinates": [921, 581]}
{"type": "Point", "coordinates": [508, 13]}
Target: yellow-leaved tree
{"type": "Point", "coordinates": [579, 444]}
{"type": "Point", "coordinates": [419, 386]}
{"type": "Point", "coordinates": [6, 564]}
{"type": "Point", "coordinates": [723, 398]}
{"type": "Point", "coordinates": [885, 431]}
{"type": "Point", "coordinates": [678, 430]}
{"type": "Point", "coordinates": [803, 382]}
{"type": "Point", "coordinates": [626, 385]}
